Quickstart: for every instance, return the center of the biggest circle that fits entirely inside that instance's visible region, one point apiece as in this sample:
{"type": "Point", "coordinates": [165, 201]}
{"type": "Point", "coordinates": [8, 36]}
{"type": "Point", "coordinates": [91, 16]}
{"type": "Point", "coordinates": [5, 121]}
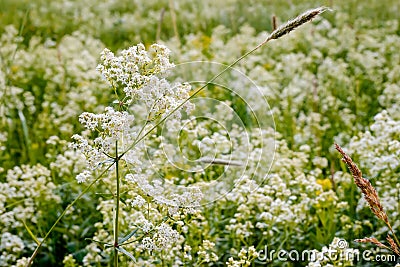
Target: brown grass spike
{"type": "Point", "coordinates": [369, 192]}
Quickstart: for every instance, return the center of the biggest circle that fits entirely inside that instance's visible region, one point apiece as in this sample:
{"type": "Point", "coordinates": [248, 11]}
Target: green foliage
{"type": "Point", "coordinates": [335, 80]}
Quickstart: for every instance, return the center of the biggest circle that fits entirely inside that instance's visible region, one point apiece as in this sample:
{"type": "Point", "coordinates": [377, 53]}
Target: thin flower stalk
{"type": "Point", "coordinates": [279, 32]}
{"type": "Point", "coordinates": [116, 213]}
{"type": "Point", "coordinates": [276, 34]}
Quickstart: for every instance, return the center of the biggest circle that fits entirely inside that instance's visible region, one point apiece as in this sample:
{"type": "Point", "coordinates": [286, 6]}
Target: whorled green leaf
{"type": "Point", "coordinates": [122, 250]}
{"type": "Point", "coordinates": [125, 238]}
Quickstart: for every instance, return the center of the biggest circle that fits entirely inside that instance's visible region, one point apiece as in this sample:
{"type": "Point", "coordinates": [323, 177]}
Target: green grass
{"type": "Point", "coordinates": [324, 85]}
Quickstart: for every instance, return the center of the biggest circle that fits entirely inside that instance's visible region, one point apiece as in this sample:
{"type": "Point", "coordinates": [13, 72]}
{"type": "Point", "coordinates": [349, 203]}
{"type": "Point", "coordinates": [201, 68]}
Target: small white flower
{"type": "Point", "coordinates": [147, 226]}
{"type": "Point", "coordinates": [138, 202]}
{"type": "Point", "coordinates": [148, 244]}
{"type": "Point", "coordinates": [83, 176]}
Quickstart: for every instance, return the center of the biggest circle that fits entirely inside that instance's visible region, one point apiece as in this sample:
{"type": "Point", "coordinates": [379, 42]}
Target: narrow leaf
{"type": "Point", "coordinates": [122, 250]}
{"type": "Point", "coordinates": [31, 234]}
{"type": "Point", "coordinates": [125, 238]}
{"type": "Point", "coordinates": [26, 133]}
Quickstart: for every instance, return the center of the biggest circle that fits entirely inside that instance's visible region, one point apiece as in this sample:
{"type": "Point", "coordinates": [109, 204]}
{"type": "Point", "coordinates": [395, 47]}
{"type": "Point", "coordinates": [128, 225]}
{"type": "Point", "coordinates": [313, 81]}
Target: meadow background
{"type": "Point", "coordinates": [336, 79]}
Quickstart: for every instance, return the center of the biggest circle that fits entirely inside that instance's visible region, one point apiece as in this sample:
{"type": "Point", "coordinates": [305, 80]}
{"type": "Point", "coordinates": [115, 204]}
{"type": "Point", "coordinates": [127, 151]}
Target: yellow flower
{"type": "Point", "coordinates": [325, 183]}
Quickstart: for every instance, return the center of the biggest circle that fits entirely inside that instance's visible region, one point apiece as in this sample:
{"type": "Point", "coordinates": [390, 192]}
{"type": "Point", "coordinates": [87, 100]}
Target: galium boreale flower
{"type": "Point", "coordinates": [206, 252]}
{"type": "Point", "coordinates": [110, 126]}
{"type": "Point", "coordinates": [179, 203]}
{"type": "Point", "coordinates": [161, 238]}
{"type": "Point", "coordinates": [138, 73]}
{"type": "Point", "coordinates": [246, 256]}
{"type": "Point", "coordinates": [136, 77]}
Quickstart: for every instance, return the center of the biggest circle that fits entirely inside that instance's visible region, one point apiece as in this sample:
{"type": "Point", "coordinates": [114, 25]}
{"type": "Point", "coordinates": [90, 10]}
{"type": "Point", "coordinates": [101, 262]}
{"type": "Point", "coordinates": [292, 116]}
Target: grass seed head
{"type": "Point", "coordinates": [372, 240]}
{"type": "Point", "coordinates": [369, 192]}
{"type": "Point", "coordinates": [296, 22]}
{"type": "Point", "coordinates": [395, 248]}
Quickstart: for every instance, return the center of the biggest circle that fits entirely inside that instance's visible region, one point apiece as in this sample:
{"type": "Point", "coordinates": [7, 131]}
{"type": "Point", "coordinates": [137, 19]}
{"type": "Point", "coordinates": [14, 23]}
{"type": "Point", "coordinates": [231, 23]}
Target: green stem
{"type": "Point", "coordinates": [276, 34]}
{"type": "Point", "coordinates": [116, 212]}
{"type": "Point", "coordinates": [34, 254]}
{"type": "Point", "coordinates": [192, 96]}
{"type": "Point", "coordinates": [395, 237]}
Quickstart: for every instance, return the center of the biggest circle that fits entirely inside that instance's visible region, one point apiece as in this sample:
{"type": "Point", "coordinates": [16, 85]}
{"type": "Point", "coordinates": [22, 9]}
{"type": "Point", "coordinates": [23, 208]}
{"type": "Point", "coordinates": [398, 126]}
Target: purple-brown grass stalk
{"type": "Point", "coordinates": [371, 196]}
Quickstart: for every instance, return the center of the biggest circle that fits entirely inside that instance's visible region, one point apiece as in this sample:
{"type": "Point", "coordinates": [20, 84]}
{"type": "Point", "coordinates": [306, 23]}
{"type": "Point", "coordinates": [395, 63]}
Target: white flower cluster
{"type": "Point", "coordinates": [136, 71]}
{"type": "Point", "coordinates": [324, 83]}
{"type": "Point", "coordinates": [246, 256]}
{"type": "Point", "coordinates": [64, 73]}
{"type": "Point", "coordinates": [24, 197]}
{"type": "Point", "coordinates": [336, 254]}
{"type": "Point", "coordinates": [286, 200]}
{"type": "Point", "coordinates": [10, 246]}
{"type": "Point", "coordinates": [112, 126]}
{"type": "Point", "coordinates": [186, 202]}
{"type": "Point", "coordinates": [154, 235]}
{"type": "Point", "coordinates": [135, 74]}
{"type": "Point", "coordinates": [206, 252]}
{"type": "Point", "coordinates": [134, 67]}
{"type": "Point", "coordinates": [164, 237]}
